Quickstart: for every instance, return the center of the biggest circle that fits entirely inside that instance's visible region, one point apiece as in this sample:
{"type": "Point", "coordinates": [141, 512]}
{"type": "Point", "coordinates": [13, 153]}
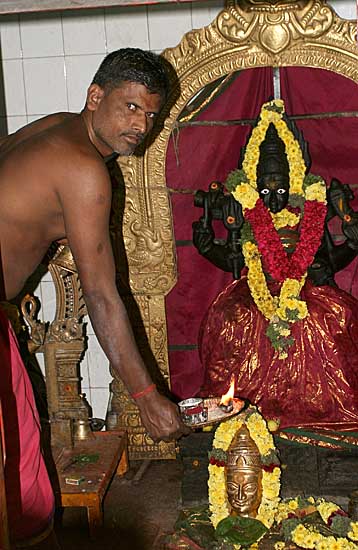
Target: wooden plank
{"type": "Point", "coordinates": [109, 446]}
{"type": "Point", "coordinates": [111, 449]}
{"type": "Point", "coordinates": [33, 6]}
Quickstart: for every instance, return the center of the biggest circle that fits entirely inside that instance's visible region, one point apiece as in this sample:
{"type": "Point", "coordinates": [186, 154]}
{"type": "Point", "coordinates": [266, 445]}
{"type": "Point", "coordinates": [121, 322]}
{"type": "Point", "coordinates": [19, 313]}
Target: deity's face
{"type": "Point", "coordinates": [274, 191]}
{"type": "Point", "coordinates": [244, 491]}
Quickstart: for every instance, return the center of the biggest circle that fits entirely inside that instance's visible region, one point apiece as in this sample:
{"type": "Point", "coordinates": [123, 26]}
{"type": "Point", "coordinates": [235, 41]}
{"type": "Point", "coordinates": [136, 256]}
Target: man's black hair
{"type": "Point", "coordinates": [133, 65]}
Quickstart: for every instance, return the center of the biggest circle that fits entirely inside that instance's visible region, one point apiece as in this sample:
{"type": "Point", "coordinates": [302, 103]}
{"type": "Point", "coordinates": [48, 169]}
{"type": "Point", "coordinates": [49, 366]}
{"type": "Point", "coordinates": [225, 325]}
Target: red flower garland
{"type": "Point", "coordinates": [269, 467]}
{"type": "Point", "coordinates": [276, 261]}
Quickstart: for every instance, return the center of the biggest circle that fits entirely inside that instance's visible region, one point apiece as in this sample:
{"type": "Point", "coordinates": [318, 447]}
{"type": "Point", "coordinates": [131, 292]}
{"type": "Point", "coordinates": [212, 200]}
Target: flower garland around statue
{"type": "Point", "coordinates": [260, 239]}
{"type": "Point", "coordinates": [309, 523]}
{"type": "Point", "coordinates": [333, 530]}
{"type": "Point", "coordinates": [218, 501]}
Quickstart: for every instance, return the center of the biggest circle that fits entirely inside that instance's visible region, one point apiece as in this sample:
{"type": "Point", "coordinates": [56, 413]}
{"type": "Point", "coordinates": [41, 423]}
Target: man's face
{"type": "Point", "coordinates": [122, 117]}
{"type": "Point", "coordinates": [274, 191]}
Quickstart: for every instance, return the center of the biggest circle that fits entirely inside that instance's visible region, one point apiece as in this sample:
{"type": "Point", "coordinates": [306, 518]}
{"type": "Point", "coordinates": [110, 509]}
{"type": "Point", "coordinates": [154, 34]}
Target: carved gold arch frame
{"type": "Point", "coordinates": [246, 34]}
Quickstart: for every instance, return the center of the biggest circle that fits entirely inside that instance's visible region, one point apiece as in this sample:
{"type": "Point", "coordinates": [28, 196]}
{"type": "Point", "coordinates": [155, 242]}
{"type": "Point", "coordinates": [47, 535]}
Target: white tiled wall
{"type": "Point", "coordinates": [347, 9]}
{"type": "Point", "coordinates": [48, 61]}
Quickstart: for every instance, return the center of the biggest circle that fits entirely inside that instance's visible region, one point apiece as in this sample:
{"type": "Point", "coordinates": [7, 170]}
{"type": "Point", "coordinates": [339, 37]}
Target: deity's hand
{"type": "Point", "coordinates": [339, 197]}
{"type": "Point", "coordinates": [203, 236]}
{"type": "Point", "coordinates": [232, 214]}
{"type": "Point", "coordinates": [350, 229]}
{"type": "Point", "coordinates": [161, 417]}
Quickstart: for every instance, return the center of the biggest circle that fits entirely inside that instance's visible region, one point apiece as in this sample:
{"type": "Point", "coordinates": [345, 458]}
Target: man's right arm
{"type": "Point", "coordinates": [86, 207]}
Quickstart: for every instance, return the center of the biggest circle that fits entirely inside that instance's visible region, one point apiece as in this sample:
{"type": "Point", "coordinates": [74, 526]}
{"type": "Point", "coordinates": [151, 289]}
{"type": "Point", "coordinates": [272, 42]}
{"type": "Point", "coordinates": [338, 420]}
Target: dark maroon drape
{"type": "Point", "coordinates": [203, 154]}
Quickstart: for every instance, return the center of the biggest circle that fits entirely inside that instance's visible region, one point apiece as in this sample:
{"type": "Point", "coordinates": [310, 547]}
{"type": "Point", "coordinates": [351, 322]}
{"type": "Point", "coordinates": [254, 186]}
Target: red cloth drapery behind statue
{"type": "Point", "coordinates": [209, 153]}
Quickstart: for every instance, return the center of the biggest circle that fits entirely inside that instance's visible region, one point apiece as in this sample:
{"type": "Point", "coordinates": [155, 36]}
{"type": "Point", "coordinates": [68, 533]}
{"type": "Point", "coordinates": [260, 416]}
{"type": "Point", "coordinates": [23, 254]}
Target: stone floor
{"type": "Point", "coordinates": [143, 505]}
{"type": "Point", "coordinates": [139, 509]}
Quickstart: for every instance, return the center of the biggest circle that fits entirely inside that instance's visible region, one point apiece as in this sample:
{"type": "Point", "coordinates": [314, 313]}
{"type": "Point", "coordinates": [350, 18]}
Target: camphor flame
{"type": "Point", "coordinates": [229, 395]}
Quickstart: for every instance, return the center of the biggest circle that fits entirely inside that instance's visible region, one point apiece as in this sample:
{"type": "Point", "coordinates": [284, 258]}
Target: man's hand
{"type": "Point", "coordinates": [161, 417]}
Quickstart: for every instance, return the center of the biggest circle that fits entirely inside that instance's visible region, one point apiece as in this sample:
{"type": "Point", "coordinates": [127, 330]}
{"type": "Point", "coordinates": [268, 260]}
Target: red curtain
{"type": "Point", "coordinates": [201, 154]}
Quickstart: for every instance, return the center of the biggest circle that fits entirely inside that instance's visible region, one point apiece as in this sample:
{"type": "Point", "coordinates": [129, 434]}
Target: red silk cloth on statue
{"type": "Point", "coordinates": [316, 386]}
{"type": "Point", "coordinates": [29, 495]}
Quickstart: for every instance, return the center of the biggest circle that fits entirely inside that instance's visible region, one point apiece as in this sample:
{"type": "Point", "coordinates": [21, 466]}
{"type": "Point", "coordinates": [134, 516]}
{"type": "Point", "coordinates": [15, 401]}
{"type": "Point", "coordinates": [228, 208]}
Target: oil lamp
{"type": "Point", "coordinates": [227, 400]}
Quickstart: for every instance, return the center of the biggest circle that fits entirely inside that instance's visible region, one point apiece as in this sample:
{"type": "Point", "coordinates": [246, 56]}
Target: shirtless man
{"type": "Point", "coordinates": [54, 185]}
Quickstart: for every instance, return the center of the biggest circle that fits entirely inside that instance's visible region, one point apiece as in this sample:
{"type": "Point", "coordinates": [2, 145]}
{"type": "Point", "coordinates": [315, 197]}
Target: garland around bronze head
{"type": "Point", "coordinates": [307, 522]}
{"type": "Point", "coordinates": [218, 501]}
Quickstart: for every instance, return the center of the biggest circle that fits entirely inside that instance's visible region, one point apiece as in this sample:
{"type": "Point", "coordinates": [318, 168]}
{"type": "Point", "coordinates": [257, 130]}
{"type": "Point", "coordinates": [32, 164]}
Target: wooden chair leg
{"type": "Point", "coordinates": [123, 464]}
{"type": "Point", "coordinates": [95, 518]}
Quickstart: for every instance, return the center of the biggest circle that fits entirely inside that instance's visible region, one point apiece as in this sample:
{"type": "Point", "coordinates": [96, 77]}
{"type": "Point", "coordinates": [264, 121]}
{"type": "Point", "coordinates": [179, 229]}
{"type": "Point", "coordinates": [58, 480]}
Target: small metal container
{"type": "Point", "coordinates": [193, 411]}
{"type": "Point", "coordinates": [81, 430]}
{"type": "Point", "coordinates": [112, 418]}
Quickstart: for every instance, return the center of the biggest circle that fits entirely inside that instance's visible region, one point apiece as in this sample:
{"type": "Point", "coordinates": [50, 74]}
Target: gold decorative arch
{"type": "Point", "coordinates": [246, 34]}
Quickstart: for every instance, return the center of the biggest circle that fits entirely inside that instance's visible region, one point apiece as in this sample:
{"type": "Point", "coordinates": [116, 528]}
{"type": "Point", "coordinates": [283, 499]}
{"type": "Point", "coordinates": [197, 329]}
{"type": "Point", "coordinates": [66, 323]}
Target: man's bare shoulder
{"type": "Point", "coordinates": [58, 145]}
{"type": "Point", "coordinates": [59, 163]}
{"type": "Point", "coordinates": [73, 140]}
{"type": "Point", "coordinates": [68, 148]}
{"type": "Point", "coordinates": [33, 129]}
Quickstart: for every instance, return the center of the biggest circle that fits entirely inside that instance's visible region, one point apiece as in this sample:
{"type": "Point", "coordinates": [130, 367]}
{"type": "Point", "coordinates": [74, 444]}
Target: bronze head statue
{"type": "Point", "coordinates": [244, 475]}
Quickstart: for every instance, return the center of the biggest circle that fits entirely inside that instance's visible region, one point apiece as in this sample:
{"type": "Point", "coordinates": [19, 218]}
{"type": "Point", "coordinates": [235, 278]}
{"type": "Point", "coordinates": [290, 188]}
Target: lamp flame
{"type": "Point", "coordinates": [229, 395]}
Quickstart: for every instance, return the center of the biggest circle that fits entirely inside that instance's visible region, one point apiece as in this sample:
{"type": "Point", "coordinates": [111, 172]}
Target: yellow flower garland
{"type": "Point", "coordinates": [308, 537]}
{"type": "Point", "coordinates": [272, 509]}
{"type": "Point", "coordinates": [284, 218]}
{"type": "Point", "coordinates": [288, 307]}
{"type": "Point", "coordinates": [218, 502]}
{"type": "Point", "coordinates": [268, 305]}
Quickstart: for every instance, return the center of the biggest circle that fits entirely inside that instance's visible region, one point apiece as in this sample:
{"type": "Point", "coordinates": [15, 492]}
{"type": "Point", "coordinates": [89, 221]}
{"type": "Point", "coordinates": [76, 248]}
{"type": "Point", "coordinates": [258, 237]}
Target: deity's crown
{"type": "Point", "coordinates": [243, 453]}
{"type": "Point", "coordinates": [273, 158]}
